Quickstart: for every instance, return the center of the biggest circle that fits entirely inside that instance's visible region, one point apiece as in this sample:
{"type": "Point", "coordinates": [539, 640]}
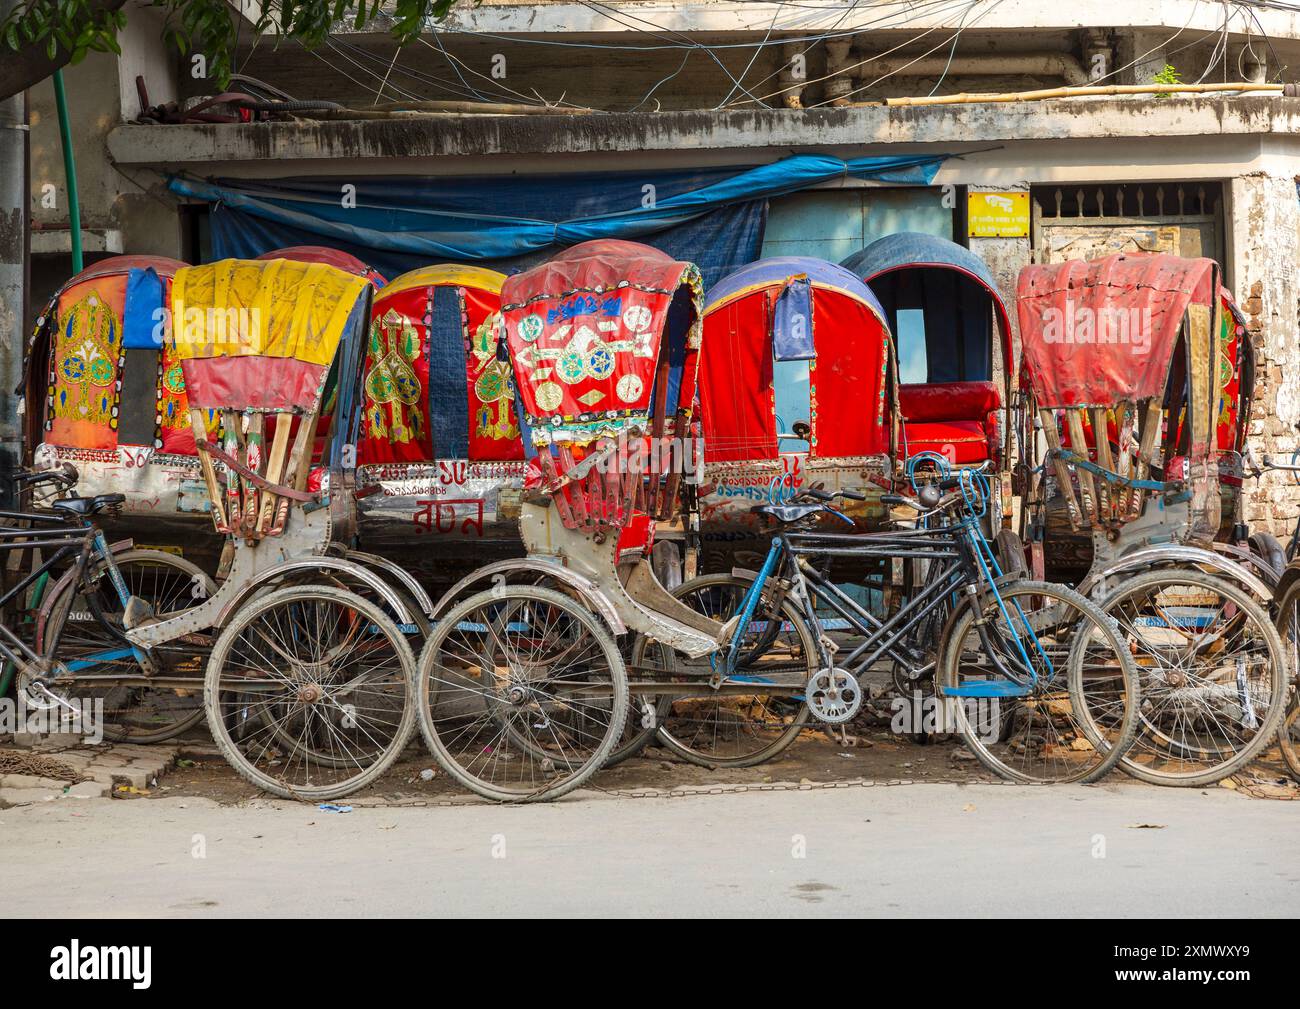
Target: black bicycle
{"type": "Point", "coordinates": [64, 618]}
{"type": "Point", "coordinates": [1034, 676]}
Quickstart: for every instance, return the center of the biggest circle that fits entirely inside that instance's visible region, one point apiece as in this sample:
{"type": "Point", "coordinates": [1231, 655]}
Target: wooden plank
{"type": "Point", "coordinates": [298, 468]}
{"type": "Point", "coordinates": [255, 460]}
{"type": "Point", "coordinates": [274, 470]}
{"type": "Point", "coordinates": [1079, 444]}
{"type": "Point", "coordinates": [1152, 421]}
{"type": "Point", "coordinates": [198, 424]}
{"type": "Point", "coordinates": [547, 464]}
{"type": "Point", "coordinates": [576, 492]}
{"type": "Point", "coordinates": [1100, 433]}
{"type": "Point", "coordinates": [1063, 481]}
{"type": "Point", "coordinates": [232, 443]}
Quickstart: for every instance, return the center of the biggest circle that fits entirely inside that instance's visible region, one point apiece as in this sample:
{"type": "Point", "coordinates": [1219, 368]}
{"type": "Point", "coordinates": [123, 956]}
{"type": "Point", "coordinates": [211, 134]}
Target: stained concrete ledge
{"type": "Point", "coordinates": [956, 126]}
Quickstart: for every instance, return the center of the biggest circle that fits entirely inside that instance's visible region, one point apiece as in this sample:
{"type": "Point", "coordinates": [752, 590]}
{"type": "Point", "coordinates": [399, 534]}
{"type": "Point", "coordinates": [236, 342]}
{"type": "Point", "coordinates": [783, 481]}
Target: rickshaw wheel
{"type": "Point", "coordinates": [1213, 675]}
{"type": "Point", "coordinates": [1288, 737]}
{"type": "Point", "coordinates": [1288, 626]}
{"type": "Point", "coordinates": [309, 692]}
{"type": "Point", "coordinates": [522, 693]}
{"type": "Point", "coordinates": [728, 730]}
{"type": "Point", "coordinates": [170, 585]}
{"type": "Point", "coordinates": [1079, 712]}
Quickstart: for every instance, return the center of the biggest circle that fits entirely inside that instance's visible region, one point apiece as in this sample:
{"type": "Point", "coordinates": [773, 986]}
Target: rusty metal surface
{"type": "Point", "coordinates": [1074, 358]}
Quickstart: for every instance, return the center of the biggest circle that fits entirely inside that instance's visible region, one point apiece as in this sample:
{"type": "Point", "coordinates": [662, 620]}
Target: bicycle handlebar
{"type": "Point", "coordinates": [66, 475]}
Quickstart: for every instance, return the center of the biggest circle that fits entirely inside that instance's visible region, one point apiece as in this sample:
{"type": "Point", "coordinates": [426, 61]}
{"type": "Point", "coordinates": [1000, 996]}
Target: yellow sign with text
{"type": "Point", "coordinates": [997, 215]}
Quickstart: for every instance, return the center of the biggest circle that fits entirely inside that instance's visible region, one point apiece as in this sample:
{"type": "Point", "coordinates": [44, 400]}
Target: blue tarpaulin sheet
{"type": "Point", "coordinates": [712, 217]}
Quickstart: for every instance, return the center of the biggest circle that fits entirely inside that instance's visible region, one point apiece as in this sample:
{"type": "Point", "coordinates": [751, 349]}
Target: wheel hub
{"type": "Point", "coordinates": [516, 695]}
{"type": "Point", "coordinates": [310, 693]}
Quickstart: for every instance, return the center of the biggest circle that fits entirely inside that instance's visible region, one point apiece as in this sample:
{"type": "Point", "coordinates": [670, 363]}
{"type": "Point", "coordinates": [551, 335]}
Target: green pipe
{"type": "Point", "coordinates": [74, 229]}
{"type": "Point", "coordinates": [69, 171]}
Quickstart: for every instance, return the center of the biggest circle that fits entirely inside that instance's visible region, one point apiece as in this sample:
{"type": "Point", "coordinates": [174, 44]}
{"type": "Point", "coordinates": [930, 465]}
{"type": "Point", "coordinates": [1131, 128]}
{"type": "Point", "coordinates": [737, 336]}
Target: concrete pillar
{"type": "Point", "coordinates": [1148, 49]}
{"type": "Point", "coordinates": [13, 274]}
{"type": "Point", "coordinates": [1264, 277]}
{"type": "Point", "coordinates": [1005, 258]}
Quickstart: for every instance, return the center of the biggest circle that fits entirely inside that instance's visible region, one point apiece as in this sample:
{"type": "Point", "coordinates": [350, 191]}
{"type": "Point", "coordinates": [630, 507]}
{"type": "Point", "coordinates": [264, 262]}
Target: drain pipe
{"type": "Point", "coordinates": [69, 172]}
{"type": "Point", "coordinates": [1039, 64]}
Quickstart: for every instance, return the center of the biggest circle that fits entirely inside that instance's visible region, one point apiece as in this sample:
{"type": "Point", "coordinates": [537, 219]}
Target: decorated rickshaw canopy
{"type": "Point", "coordinates": [795, 309]}
{"type": "Point", "coordinates": [261, 335]}
{"type": "Point", "coordinates": [585, 331]}
{"type": "Point", "coordinates": [1104, 331]}
{"type": "Point", "coordinates": [433, 383]}
{"type": "Point", "coordinates": [953, 286]}
{"type": "Point", "coordinates": [103, 333]}
{"type": "Point", "coordinates": [336, 258]}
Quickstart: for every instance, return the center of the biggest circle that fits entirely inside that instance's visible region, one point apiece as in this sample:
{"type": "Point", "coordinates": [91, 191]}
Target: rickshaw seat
{"type": "Point", "coordinates": [958, 419]}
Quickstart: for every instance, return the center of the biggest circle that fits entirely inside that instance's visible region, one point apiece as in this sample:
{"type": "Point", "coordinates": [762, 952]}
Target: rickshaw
{"type": "Point", "coordinates": [344, 261]}
{"type": "Point", "coordinates": [524, 687]}
{"type": "Point", "coordinates": [796, 384]}
{"type": "Point", "coordinates": [104, 407]}
{"type": "Point", "coordinates": [953, 339]}
{"type": "Point", "coordinates": [306, 688]}
{"type": "Point", "coordinates": [440, 458]}
{"type": "Point", "coordinates": [1126, 388]}
{"type": "Point", "coordinates": [104, 392]}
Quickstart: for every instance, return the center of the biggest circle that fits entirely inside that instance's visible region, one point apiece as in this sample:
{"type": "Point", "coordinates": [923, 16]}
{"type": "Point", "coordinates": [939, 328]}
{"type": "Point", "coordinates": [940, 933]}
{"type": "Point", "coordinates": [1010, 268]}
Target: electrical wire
{"type": "Point", "coordinates": [752, 57]}
{"type": "Point", "coordinates": [915, 10]}
{"type": "Point", "coordinates": [899, 71]}
{"type": "Point", "coordinates": [967, 4]}
{"type": "Point", "coordinates": [953, 50]}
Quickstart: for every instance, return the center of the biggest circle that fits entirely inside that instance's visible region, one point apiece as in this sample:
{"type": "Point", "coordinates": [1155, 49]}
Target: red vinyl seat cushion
{"type": "Point", "coordinates": [961, 441]}
{"type": "Point", "coordinates": [955, 419]}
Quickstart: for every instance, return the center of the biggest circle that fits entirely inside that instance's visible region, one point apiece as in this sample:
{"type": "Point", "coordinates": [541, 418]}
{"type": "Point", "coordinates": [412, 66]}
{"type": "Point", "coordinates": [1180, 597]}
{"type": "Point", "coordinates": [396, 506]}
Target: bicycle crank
{"type": "Point", "coordinates": [833, 695]}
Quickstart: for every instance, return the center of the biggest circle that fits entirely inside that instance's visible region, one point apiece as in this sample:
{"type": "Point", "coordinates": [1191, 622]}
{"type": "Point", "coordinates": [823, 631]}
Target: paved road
{"type": "Point", "coordinates": [917, 849]}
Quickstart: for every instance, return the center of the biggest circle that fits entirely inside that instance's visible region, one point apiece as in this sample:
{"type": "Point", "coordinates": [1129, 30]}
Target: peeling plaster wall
{"type": "Point", "coordinates": [1265, 278]}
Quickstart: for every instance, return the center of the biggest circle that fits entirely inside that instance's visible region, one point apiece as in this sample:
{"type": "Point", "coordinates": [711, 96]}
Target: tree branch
{"type": "Point", "coordinates": [21, 68]}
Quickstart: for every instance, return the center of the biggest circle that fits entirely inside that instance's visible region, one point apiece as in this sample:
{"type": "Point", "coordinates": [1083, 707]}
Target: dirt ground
{"type": "Point", "coordinates": [816, 757]}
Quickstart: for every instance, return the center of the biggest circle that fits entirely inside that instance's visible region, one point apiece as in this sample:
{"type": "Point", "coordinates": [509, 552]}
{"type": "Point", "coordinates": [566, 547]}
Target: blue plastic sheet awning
{"type": "Point", "coordinates": [713, 217]}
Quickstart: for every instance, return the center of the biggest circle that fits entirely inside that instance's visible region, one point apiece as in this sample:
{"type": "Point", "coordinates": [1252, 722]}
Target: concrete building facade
{"type": "Point", "coordinates": [654, 86]}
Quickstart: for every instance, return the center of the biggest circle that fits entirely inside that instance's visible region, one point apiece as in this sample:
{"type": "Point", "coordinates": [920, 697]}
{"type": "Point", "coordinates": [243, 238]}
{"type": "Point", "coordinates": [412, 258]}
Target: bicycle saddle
{"type": "Point", "coordinates": [785, 514]}
{"type": "Point", "coordinates": [83, 506]}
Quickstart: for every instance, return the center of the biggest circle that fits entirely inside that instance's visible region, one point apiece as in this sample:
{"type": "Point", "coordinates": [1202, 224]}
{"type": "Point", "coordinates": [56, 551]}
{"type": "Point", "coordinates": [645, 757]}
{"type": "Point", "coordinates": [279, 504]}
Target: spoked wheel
{"type": "Point", "coordinates": [1213, 675]}
{"type": "Point", "coordinates": [1288, 737]}
{"type": "Point", "coordinates": [170, 585]}
{"type": "Point", "coordinates": [310, 692]}
{"type": "Point", "coordinates": [1044, 690]}
{"type": "Point", "coordinates": [1288, 626]}
{"type": "Point", "coordinates": [761, 709]}
{"type": "Point", "coordinates": [522, 693]}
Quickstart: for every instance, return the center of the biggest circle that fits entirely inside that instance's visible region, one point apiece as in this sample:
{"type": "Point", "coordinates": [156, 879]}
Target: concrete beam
{"type": "Point", "coordinates": [780, 132]}
{"type": "Point", "coordinates": [761, 18]}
